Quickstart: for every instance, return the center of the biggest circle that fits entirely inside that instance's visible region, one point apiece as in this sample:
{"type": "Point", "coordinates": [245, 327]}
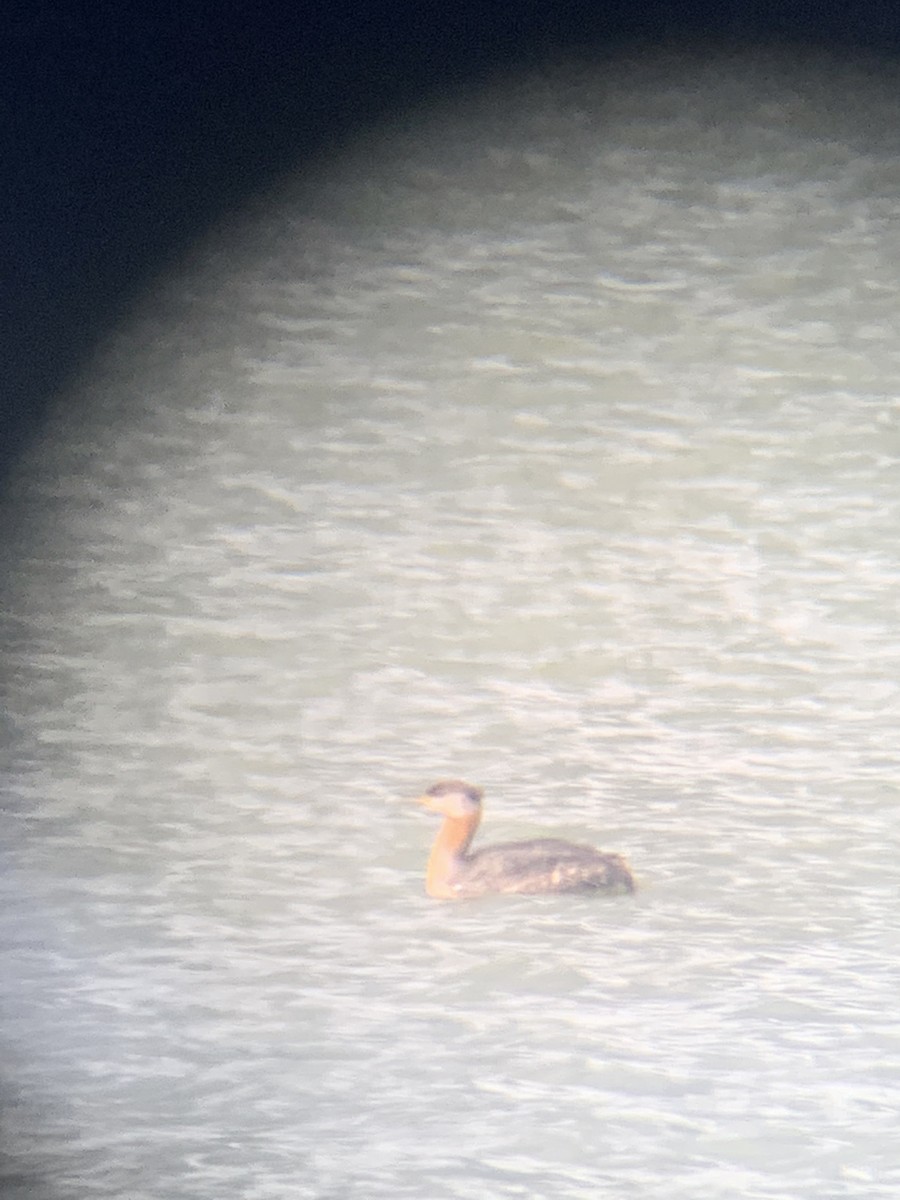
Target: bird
{"type": "Point", "coordinates": [455, 872]}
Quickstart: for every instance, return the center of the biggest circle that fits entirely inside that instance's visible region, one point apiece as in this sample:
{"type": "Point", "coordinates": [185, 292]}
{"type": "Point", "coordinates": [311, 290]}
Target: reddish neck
{"type": "Point", "coordinates": [449, 850]}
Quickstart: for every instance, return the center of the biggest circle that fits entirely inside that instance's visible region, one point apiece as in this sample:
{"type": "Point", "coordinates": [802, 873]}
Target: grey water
{"type": "Point", "coordinates": [549, 438]}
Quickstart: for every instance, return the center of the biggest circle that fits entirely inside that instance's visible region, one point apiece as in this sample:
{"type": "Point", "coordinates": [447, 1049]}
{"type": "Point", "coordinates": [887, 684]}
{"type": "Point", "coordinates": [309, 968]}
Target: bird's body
{"type": "Point", "coordinates": [540, 865]}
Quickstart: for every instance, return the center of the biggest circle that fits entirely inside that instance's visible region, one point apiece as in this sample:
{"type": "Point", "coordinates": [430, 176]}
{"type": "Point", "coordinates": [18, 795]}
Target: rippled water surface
{"type": "Point", "coordinates": [555, 447]}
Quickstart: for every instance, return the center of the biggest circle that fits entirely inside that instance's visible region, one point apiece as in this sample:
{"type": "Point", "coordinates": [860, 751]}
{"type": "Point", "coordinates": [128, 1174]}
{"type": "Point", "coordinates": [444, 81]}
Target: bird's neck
{"type": "Point", "coordinates": [449, 850]}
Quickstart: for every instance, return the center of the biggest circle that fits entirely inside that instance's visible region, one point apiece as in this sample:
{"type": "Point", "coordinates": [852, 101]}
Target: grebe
{"type": "Point", "coordinates": [542, 865]}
